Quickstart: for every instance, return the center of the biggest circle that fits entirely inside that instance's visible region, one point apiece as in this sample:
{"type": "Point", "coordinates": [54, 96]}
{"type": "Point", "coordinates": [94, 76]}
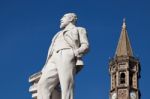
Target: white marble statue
{"type": "Point", "coordinates": [64, 58]}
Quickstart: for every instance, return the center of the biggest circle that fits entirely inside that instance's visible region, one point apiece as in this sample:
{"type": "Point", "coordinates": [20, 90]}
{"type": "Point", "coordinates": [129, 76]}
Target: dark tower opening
{"type": "Point", "coordinates": [122, 78]}
{"type": "Point", "coordinates": [131, 79]}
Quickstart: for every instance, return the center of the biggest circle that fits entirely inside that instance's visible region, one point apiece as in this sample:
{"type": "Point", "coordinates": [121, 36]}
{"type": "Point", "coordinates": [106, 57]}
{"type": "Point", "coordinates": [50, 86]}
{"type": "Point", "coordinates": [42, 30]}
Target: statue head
{"type": "Point", "coordinates": [67, 19]}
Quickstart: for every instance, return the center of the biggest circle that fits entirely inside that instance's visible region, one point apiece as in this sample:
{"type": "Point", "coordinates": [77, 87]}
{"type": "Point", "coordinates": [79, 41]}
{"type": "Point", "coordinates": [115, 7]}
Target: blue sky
{"type": "Point", "coordinates": [27, 27]}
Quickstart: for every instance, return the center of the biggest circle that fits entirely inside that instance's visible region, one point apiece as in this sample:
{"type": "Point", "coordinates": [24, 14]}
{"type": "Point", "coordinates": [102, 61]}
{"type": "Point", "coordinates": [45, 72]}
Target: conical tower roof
{"type": "Point", "coordinates": [124, 47]}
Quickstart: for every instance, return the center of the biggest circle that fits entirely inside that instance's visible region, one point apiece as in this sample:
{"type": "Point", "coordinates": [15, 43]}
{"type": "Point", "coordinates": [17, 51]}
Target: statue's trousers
{"type": "Point", "coordinates": [60, 68]}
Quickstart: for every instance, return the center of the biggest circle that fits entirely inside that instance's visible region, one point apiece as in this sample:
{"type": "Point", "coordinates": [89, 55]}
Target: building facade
{"type": "Point", "coordinates": [124, 70]}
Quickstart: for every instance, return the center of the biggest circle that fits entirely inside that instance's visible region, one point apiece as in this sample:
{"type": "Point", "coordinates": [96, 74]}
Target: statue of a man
{"type": "Point", "coordinates": [64, 57]}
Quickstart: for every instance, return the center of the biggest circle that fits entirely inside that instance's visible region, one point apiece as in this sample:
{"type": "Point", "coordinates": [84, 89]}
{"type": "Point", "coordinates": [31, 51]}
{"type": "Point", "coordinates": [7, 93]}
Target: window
{"type": "Point", "coordinates": [122, 78]}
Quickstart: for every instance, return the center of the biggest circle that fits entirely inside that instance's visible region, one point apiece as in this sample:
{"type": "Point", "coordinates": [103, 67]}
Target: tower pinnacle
{"type": "Point", "coordinates": [124, 23]}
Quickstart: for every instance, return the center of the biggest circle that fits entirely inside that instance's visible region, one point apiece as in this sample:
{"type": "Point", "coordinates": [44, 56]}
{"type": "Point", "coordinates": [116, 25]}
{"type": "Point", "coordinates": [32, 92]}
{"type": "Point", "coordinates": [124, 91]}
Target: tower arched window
{"type": "Point", "coordinates": [122, 78]}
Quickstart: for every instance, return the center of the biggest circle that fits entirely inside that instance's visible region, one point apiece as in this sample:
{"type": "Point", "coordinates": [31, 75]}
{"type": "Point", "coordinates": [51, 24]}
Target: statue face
{"type": "Point", "coordinates": [65, 20]}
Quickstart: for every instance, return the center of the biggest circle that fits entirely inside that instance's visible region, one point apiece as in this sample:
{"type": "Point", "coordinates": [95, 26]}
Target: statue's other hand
{"type": "Point", "coordinates": [76, 52]}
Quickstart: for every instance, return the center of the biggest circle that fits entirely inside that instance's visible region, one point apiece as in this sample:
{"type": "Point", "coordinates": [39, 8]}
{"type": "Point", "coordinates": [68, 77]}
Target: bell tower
{"type": "Point", "coordinates": [124, 70]}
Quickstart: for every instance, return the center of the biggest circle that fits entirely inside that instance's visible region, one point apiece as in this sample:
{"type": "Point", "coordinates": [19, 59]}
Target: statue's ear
{"type": "Point", "coordinates": [71, 19]}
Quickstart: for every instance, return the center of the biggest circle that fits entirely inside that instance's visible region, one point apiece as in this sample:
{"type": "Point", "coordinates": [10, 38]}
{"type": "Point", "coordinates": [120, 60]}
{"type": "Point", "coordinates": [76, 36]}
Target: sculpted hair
{"type": "Point", "coordinates": [73, 16]}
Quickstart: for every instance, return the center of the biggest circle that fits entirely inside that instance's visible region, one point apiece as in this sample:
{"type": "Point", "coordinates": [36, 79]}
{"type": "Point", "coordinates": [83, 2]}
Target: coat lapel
{"type": "Point", "coordinates": [51, 46]}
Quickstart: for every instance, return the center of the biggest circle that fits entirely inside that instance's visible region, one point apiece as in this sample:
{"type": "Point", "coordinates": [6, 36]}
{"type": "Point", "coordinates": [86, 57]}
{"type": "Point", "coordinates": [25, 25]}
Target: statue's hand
{"type": "Point", "coordinates": [76, 52]}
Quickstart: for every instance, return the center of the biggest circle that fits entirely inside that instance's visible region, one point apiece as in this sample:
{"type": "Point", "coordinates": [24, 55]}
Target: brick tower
{"type": "Point", "coordinates": [124, 70]}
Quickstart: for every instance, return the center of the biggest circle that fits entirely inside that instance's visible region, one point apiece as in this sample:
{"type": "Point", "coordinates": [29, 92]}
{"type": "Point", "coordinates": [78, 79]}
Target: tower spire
{"type": "Point", "coordinates": [124, 47]}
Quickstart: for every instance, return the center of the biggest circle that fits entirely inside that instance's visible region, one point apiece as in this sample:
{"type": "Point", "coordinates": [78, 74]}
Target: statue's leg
{"type": "Point", "coordinates": [48, 81]}
{"type": "Point", "coordinates": [56, 94]}
{"type": "Point", "coordinates": [66, 71]}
